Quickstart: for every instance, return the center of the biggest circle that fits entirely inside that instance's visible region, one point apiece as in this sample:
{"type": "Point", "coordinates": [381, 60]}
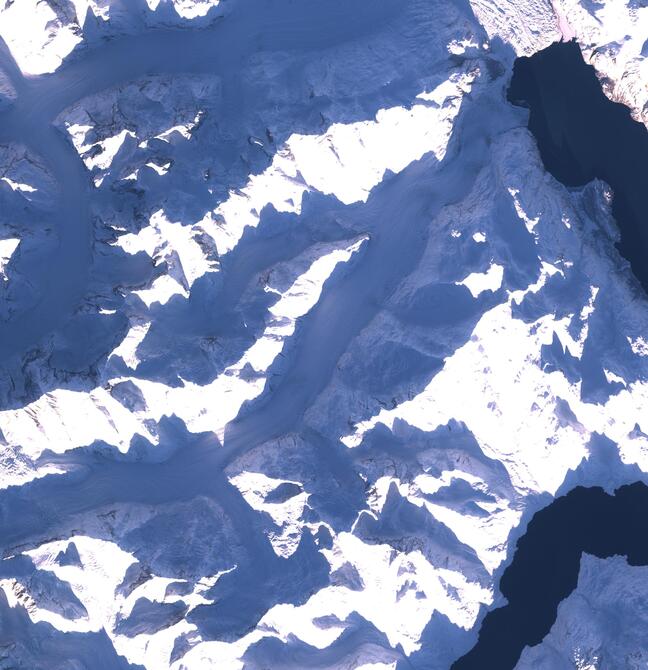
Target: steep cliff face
{"type": "Point", "coordinates": [297, 331]}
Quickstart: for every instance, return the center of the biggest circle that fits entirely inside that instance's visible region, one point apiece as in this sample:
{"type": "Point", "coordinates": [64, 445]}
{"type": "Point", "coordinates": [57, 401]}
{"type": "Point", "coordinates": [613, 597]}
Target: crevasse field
{"type": "Point", "coordinates": [297, 333]}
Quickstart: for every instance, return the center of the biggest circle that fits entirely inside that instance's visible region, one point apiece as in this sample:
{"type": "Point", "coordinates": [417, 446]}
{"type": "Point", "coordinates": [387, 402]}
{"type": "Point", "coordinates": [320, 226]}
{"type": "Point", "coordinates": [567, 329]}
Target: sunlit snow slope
{"type": "Point", "coordinates": [296, 332]}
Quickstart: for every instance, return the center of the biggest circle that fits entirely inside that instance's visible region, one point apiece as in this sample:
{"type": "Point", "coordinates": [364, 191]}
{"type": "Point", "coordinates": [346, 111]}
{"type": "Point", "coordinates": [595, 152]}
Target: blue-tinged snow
{"type": "Point", "coordinates": [601, 624]}
{"type": "Point", "coordinates": [296, 331]}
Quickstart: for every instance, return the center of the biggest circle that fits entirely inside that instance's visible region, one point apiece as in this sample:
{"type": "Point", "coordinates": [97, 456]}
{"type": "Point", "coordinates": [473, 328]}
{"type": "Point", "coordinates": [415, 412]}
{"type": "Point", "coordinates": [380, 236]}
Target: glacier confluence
{"type": "Point", "coordinates": [296, 331]}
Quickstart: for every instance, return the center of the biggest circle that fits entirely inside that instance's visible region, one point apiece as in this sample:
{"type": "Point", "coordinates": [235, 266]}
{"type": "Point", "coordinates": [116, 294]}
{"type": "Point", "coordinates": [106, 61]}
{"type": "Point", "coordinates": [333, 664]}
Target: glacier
{"type": "Point", "coordinates": [297, 333]}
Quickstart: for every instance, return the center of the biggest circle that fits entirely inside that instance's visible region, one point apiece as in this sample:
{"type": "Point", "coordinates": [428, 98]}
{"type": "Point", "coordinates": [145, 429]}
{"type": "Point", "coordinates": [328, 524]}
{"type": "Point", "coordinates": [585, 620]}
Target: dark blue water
{"type": "Point", "coordinates": [582, 135]}
{"type": "Point", "coordinates": [545, 567]}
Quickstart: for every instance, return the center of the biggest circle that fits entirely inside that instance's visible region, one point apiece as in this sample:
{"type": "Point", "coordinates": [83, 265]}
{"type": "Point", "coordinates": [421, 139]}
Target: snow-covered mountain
{"type": "Point", "coordinates": [601, 625]}
{"type": "Point", "coordinates": [297, 333]}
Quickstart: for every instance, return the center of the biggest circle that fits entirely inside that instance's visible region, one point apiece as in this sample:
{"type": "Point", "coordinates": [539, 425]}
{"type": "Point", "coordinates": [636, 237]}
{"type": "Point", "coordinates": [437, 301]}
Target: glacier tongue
{"type": "Point", "coordinates": [328, 339]}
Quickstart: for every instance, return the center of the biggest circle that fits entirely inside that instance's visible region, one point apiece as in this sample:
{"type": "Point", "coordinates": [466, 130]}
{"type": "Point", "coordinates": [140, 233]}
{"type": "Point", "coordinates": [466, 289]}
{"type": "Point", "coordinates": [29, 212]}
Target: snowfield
{"type": "Point", "coordinates": [297, 333]}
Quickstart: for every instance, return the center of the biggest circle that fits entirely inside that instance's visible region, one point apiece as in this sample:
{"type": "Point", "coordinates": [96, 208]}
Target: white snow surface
{"type": "Point", "coordinates": [613, 37]}
{"type": "Point", "coordinates": [38, 37]}
{"type": "Point", "coordinates": [602, 624]}
{"type": "Point", "coordinates": [334, 334]}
